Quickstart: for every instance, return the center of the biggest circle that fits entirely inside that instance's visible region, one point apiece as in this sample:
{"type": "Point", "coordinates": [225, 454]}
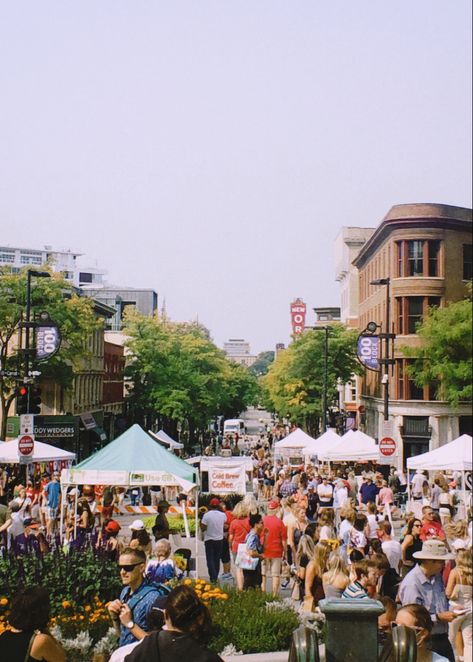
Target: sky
{"type": "Point", "coordinates": [213, 150]}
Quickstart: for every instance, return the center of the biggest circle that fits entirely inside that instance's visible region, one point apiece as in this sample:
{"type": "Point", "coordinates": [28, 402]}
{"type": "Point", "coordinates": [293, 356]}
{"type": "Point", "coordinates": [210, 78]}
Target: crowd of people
{"type": "Point", "coordinates": [308, 532]}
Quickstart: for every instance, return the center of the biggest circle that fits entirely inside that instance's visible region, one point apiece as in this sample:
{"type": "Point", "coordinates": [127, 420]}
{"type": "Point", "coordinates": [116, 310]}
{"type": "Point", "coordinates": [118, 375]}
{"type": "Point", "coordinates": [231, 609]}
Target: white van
{"type": "Point", "coordinates": [234, 426]}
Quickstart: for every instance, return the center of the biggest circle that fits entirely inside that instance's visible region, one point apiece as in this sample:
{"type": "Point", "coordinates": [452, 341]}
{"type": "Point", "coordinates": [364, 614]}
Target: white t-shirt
{"type": "Point", "coordinates": [373, 524]}
{"type": "Point", "coordinates": [417, 483]}
{"type": "Point", "coordinates": [214, 520]}
{"type": "Point", "coordinates": [393, 550]}
{"type": "Point", "coordinates": [344, 528]}
{"type": "Point", "coordinates": [325, 493]}
{"type": "Point", "coordinates": [120, 654]}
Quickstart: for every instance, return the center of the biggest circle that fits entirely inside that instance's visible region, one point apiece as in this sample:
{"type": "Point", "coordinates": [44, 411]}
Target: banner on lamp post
{"type": "Point", "coordinates": [47, 341]}
{"type": "Point", "coordinates": [367, 351]}
{"type": "Point", "coordinates": [298, 313]}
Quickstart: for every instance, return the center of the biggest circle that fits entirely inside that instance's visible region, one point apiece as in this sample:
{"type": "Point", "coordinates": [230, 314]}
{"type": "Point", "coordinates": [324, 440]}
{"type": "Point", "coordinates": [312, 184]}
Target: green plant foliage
{"type": "Point", "coordinates": [177, 371]}
{"type": "Point", "coordinates": [293, 386]}
{"type": "Point", "coordinates": [74, 316]}
{"type": "Point", "coordinates": [245, 621]}
{"type": "Point", "coordinates": [77, 576]}
{"type": "Point", "coordinates": [445, 358]}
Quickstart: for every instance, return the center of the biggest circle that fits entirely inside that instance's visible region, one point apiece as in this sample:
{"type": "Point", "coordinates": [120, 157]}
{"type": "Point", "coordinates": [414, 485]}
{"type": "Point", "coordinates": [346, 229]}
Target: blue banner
{"type": "Point", "coordinates": [368, 352]}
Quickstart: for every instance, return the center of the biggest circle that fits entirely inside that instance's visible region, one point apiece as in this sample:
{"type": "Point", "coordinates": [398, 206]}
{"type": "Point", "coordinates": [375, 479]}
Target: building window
{"type": "Point", "coordinates": [414, 313]}
{"type": "Point", "coordinates": [467, 262]}
{"type": "Point", "coordinates": [7, 258]}
{"type": "Point", "coordinates": [406, 387]}
{"type": "Point", "coordinates": [410, 311]}
{"type": "Point", "coordinates": [418, 257]}
{"type": "Point", "coordinates": [85, 277]}
{"type": "Point", "coordinates": [30, 259]}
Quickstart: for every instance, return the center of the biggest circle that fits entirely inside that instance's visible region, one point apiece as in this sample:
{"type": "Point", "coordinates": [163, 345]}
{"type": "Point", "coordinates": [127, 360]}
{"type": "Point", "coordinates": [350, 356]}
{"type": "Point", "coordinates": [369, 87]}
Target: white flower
{"type": "Point", "coordinates": [107, 643]}
{"type": "Point", "coordinates": [230, 650]}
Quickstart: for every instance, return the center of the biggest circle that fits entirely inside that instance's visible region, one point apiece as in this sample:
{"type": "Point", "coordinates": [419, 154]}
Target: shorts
{"type": "Point", "coordinates": [51, 513]}
{"type": "Point", "coordinates": [225, 557]}
{"type": "Point", "coordinates": [272, 567]}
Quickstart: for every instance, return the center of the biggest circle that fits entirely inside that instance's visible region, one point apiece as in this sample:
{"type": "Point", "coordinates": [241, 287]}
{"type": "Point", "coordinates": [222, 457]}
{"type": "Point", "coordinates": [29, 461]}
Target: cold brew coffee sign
{"type": "Point", "coordinates": [48, 341]}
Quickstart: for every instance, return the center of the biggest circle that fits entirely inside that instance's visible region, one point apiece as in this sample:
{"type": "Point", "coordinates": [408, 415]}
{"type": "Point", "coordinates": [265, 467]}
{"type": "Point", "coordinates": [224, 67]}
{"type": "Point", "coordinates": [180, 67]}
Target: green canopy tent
{"type": "Point", "coordinates": [132, 459]}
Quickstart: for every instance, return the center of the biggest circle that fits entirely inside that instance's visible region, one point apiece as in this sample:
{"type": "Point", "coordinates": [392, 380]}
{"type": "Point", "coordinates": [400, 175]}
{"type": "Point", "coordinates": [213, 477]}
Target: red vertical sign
{"type": "Point", "coordinates": [298, 311]}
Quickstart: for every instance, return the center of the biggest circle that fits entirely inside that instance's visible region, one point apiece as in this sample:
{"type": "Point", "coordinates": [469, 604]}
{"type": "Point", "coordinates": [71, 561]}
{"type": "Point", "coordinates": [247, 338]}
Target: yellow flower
{"type": "Point", "coordinates": [187, 582]}
{"type": "Point", "coordinates": [3, 602]}
{"type": "Point", "coordinates": [66, 604]}
{"type": "Point", "coordinates": [87, 608]}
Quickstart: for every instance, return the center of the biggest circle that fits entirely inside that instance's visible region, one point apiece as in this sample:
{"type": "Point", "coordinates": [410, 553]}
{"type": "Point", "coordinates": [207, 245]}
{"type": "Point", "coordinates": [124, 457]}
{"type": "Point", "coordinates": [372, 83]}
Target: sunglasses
{"type": "Point", "coordinates": [129, 567]}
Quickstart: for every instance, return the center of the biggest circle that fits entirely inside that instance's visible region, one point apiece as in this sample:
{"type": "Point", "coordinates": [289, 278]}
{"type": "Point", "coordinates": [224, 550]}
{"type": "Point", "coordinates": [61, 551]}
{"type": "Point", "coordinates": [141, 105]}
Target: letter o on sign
{"type": "Point", "coordinates": [298, 318]}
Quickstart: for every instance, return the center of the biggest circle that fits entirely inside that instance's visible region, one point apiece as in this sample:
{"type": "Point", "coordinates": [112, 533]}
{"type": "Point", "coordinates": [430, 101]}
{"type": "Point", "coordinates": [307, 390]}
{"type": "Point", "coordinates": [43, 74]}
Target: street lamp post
{"type": "Point", "coordinates": [326, 330]}
{"type": "Point", "coordinates": [386, 361]}
{"type": "Point", "coordinates": [28, 324]}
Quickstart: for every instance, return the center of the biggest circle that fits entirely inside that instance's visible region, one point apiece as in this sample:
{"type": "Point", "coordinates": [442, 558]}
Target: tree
{"type": "Point", "coordinates": [73, 315]}
{"type": "Point", "coordinates": [444, 359]}
{"type": "Point", "coordinates": [261, 366]}
{"type": "Point", "coordinates": [293, 386]}
{"type": "Point", "coordinates": [178, 373]}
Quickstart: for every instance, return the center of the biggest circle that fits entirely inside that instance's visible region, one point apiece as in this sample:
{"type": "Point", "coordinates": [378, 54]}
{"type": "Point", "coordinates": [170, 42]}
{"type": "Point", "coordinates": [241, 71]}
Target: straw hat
{"type": "Point", "coordinates": [434, 550]}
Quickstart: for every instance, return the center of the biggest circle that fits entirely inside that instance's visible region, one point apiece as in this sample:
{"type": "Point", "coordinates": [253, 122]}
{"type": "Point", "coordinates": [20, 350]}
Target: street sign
{"type": "Point", "coordinates": [26, 424]}
{"type": "Point", "coordinates": [26, 445]}
{"type": "Point", "coordinates": [387, 446]}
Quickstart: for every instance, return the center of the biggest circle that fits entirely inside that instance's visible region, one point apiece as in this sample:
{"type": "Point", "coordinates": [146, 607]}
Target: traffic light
{"type": "Point", "coordinates": [22, 397]}
{"type": "Point", "coordinates": [35, 401]}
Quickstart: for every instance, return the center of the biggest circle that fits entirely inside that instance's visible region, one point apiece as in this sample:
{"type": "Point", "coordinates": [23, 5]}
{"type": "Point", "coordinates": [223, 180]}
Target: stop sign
{"type": "Point", "coordinates": [25, 445]}
{"type": "Point", "coordinates": [387, 446]}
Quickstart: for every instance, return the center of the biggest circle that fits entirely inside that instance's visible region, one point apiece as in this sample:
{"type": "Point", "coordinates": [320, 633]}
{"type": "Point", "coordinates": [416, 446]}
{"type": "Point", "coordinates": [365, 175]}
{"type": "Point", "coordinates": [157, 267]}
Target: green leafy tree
{"type": "Point", "coordinates": [293, 386]}
{"type": "Point", "coordinates": [178, 373]}
{"type": "Point", "coordinates": [444, 360]}
{"type": "Point", "coordinates": [261, 366]}
{"type": "Point", "coordinates": [74, 316]}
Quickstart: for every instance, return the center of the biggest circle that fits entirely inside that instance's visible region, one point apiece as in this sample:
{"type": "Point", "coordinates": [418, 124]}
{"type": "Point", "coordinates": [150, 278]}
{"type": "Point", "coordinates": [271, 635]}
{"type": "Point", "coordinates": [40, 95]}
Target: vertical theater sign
{"type": "Point", "coordinates": [298, 311]}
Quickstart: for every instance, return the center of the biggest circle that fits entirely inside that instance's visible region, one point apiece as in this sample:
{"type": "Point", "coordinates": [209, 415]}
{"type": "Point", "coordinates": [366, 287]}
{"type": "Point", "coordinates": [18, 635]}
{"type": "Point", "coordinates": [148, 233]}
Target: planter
{"type": "Point", "coordinates": [259, 657]}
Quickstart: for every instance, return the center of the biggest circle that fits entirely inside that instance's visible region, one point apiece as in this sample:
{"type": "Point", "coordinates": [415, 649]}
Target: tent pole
{"type": "Point", "coordinates": [197, 531]}
{"type": "Point", "coordinates": [61, 516]}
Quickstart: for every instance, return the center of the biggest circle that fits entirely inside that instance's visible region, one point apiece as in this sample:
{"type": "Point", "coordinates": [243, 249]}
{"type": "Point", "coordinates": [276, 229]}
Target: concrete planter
{"type": "Point", "coordinates": [259, 657]}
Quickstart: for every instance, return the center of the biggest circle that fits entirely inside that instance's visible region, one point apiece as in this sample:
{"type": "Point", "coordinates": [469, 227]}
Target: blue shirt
{"type": "Point", "coordinates": [139, 611]}
{"type": "Point", "coordinates": [368, 492]}
{"type": "Point", "coordinates": [53, 490]}
{"type": "Point", "coordinates": [355, 591]}
{"type": "Point", "coordinates": [253, 542]}
{"type": "Point", "coordinates": [419, 589]}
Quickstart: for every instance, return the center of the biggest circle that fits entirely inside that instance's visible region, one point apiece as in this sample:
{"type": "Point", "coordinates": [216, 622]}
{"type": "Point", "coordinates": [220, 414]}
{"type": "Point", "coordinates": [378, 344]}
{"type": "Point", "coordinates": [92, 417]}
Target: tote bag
{"type": "Point", "coordinates": [243, 560]}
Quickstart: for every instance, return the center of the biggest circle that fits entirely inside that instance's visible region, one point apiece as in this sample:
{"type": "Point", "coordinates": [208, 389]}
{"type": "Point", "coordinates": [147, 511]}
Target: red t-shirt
{"type": "Point", "coordinates": [239, 529]}
{"type": "Point", "coordinates": [431, 530]}
{"type": "Point", "coordinates": [276, 538]}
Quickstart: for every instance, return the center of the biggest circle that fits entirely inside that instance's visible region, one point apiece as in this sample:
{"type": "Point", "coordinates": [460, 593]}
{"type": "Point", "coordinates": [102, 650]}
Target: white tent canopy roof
{"type": "Point", "coordinates": [325, 442]}
{"type": "Point", "coordinates": [296, 439]}
{"type": "Point", "coordinates": [456, 455]}
{"type": "Point", "coordinates": [354, 446]}
{"type": "Point", "coordinates": [166, 439]}
{"type": "Point", "coordinates": [42, 453]}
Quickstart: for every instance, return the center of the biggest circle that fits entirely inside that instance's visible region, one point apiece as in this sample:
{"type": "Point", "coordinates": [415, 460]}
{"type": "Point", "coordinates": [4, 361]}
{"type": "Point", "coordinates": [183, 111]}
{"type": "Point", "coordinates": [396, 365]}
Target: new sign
{"type": "Point", "coordinates": [298, 312]}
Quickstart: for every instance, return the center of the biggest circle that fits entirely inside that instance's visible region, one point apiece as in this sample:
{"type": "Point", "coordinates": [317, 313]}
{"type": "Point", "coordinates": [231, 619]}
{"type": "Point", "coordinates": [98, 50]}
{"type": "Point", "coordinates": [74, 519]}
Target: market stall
{"type": "Point", "coordinates": [325, 443]}
{"type": "Point", "coordinates": [133, 459]}
{"type": "Point", "coordinates": [456, 455]}
{"type": "Point", "coordinates": [45, 457]}
{"type": "Point", "coordinates": [353, 446]}
{"type": "Point", "coordinates": [164, 438]}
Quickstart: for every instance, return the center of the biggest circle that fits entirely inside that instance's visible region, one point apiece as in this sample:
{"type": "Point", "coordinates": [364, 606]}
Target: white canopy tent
{"type": "Point", "coordinates": [42, 453]}
{"type": "Point", "coordinates": [456, 455]}
{"type": "Point", "coordinates": [325, 442]}
{"type": "Point", "coordinates": [354, 446]}
{"type": "Point", "coordinates": [166, 439]}
{"type": "Point", "coordinates": [296, 439]}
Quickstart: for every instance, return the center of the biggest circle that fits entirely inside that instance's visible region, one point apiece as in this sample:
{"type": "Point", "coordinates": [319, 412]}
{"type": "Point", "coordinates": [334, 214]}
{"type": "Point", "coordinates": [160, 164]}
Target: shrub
{"type": "Point", "coordinates": [247, 621]}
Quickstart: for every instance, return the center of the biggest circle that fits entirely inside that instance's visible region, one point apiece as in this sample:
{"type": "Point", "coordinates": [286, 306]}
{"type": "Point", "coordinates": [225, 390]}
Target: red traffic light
{"type": "Point", "coordinates": [22, 390]}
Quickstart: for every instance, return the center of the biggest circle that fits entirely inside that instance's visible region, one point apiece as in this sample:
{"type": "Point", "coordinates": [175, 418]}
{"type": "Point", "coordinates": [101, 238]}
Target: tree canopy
{"type": "Point", "coordinates": [177, 372]}
{"type": "Point", "coordinates": [74, 316]}
{"type": "Point", "coordinates": [293, 386]}
{"type": "Point", "coordinates": [261, 366]}
{"type": "Point", "coordinates": [445, 358]}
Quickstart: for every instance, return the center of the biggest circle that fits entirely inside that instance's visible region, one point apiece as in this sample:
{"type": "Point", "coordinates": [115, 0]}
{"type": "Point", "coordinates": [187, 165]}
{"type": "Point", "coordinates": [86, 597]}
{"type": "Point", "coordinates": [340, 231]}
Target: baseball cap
{"type": "Point", "coordinates": [273, 505]}
{"type": "Point", "coordinates": [214, 502]}
{"type": "Point", "coordinates": [137, 525]}
{"type": "Point", "coordinates": [32, 523]}
{"type": "Point", "coordinates": [113, 526]}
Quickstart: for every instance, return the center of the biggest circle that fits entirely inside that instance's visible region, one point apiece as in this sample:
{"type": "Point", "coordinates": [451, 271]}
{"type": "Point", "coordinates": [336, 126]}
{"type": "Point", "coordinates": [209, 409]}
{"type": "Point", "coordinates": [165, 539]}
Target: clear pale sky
{"type": "Point", "coordinates": [212, 150]}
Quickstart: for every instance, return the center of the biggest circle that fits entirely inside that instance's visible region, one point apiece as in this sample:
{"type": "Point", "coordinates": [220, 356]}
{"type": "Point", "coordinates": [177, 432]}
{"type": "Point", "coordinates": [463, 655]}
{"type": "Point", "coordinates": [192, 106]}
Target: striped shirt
{"type": "Point", "coordinates": [355, 591]}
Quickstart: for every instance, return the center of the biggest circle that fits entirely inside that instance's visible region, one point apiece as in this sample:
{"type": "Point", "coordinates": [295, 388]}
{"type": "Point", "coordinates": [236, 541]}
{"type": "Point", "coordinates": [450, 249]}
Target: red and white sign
{"type": "Point", "coordinates": [387, 446]}
{"type": "Point", "coordinates": [26, 445]}
{"type": "Point", "coordinates": [298, 311]}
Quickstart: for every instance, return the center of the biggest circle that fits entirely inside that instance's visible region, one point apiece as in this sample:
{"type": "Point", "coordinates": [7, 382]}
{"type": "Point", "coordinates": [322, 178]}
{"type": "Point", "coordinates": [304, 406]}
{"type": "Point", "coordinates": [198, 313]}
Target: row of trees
{"type": "Point", "coordinates": [177, 372]}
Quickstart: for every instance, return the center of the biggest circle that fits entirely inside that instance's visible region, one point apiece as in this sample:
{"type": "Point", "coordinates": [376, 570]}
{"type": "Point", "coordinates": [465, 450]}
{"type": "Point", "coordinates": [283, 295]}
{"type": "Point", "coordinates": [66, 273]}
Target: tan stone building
{"type": "Point", "coordinates": [426, 252]}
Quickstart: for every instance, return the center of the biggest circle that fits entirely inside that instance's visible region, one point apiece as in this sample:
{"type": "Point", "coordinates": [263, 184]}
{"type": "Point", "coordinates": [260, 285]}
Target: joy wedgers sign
{"type": "Point", "coordinates": [298, 311]}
